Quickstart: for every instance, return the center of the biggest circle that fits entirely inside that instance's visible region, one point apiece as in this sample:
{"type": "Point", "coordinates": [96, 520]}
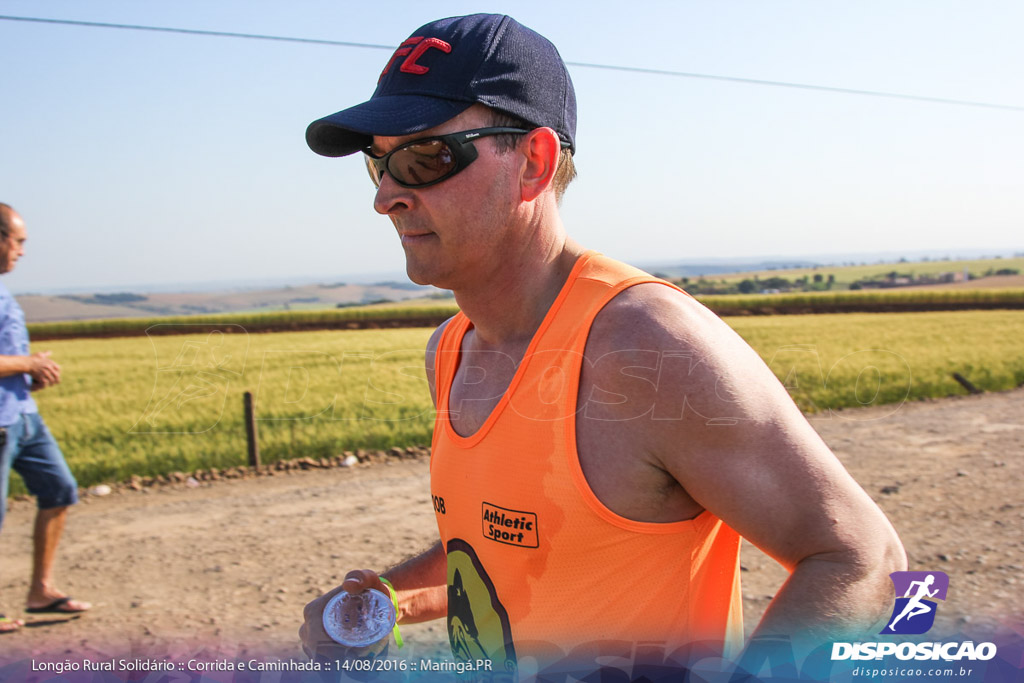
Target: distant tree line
{"type": "Point", "coordinates": [108, 299]}
{"type": "Point", "coordinates": [808, 283]}
{"type": "Point", "coordinates": [818, 282]}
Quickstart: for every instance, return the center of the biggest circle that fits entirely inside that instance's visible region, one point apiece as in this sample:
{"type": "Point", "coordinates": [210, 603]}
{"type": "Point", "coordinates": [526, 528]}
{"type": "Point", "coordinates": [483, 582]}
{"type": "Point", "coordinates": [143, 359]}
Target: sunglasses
{"type": "Point", "coordinates": [427, 161]}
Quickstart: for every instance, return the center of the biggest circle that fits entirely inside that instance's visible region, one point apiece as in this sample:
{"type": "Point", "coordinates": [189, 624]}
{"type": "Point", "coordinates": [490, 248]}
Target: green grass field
{"type": "Point", "coordinates": [161, 404]}
{"type": "Point", "coordinates": [839, 361]}
{"type": "Point", "coordinates": [174, 403]}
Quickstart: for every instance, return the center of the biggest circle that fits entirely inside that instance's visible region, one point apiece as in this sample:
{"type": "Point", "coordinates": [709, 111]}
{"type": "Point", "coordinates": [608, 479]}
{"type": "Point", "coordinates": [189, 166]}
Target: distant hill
{"type": "Point", "coordinates": [837, 275]}
{"type": "Point", "coordinates": [52, 308]}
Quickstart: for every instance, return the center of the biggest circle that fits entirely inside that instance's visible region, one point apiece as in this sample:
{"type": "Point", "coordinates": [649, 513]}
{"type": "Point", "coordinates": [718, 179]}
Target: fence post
{"type": "Point", "coordinates": [251, 436]}
{"type": "Point", "coordinates": [966, 383]}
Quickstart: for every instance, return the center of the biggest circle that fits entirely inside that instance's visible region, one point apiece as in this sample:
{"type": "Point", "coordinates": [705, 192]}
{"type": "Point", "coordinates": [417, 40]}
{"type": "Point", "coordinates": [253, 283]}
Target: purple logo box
{"type": "Point", "coordinates": [902, 580]}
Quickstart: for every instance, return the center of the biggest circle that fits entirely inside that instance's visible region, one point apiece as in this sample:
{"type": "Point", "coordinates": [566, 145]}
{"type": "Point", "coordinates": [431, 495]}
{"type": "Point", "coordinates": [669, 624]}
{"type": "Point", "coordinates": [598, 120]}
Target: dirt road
{"type": "Point", "coordinates": [226, 567]}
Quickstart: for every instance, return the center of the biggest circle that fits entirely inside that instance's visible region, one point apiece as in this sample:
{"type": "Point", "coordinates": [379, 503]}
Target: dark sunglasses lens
{"type": "Point", "coordinates": [422, 162]}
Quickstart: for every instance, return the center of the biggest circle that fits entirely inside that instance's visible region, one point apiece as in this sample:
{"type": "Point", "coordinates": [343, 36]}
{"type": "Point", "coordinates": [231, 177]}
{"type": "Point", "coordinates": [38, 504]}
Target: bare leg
{"type": "Point", "coordinates": [919, 610]}
{"type": "Point", "coordinates": [42, 591]}
{"type": "Point", "coordinates": [901, 615]}
{"type": "Point", "coordinates": [912, 610]}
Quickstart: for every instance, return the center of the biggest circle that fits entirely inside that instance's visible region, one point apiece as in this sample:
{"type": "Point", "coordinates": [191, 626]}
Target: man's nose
{"type": "Point", "coordinates": [391, 197]}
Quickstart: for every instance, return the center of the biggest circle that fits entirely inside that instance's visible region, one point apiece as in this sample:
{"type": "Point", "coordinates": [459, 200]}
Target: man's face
{"type": "Point", "coordinates": [453, 232]}
{"type": "Point", "coordinates": [14, 247]}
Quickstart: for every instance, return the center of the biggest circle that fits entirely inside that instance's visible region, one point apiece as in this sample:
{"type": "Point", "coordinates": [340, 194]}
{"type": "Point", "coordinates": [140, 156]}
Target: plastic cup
{"type": "Point", "coordinates": [359, 619]}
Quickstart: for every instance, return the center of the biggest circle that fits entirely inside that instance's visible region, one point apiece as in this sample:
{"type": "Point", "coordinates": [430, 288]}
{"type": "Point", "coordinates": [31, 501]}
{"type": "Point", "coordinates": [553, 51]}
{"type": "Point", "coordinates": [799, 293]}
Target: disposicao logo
{"type": "Point", "coordinates": [916, 592]}
{"type": "Point", "coordinates": [913, 614]}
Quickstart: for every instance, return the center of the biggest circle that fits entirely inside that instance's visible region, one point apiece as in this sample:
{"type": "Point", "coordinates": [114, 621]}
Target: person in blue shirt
{"type": "Point", "coordinates": [28, 447]}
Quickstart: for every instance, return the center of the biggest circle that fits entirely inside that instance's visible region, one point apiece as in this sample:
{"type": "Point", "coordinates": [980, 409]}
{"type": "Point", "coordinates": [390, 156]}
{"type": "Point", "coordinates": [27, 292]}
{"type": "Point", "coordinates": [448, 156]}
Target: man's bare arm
{"type": "Point", "coordinates": [421, 585]}
{"type": "Point", "coordinates": [43, 370]}
{"type": "Point", "coordinates": [420, 582]}
{"type": "Point", "coordinates": [743, 450]}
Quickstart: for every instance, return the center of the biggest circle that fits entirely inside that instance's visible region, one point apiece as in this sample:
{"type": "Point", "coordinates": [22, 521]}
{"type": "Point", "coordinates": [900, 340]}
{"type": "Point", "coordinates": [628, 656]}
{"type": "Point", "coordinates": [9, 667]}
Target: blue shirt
{"type": "Point", "coordinates": [15, 397]}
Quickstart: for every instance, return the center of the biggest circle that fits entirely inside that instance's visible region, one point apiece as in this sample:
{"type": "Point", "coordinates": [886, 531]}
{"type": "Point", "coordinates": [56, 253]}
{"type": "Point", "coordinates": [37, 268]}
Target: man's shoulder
{"type": "Point", "coordinates": [656, 339]}
{"type": "Point", "coordinates": [431, 354]}
{"type": "Point", "coordinates": [652, 315]}
{"type": "Point", "coordinates": [435, 336]}
{"type": "Point", "coordinates": [7, 301]}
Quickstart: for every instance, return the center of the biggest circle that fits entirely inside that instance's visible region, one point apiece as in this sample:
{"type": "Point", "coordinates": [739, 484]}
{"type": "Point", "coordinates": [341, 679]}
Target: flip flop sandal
{"type": "Point", "coordinates": [55, 607]}
{"type": "Point", "coordinates": [7, 620]}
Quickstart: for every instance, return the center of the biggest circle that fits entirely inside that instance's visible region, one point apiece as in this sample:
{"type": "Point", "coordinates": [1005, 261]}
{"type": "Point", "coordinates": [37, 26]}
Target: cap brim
{"type": "Point", "coordinates": [352, 129]}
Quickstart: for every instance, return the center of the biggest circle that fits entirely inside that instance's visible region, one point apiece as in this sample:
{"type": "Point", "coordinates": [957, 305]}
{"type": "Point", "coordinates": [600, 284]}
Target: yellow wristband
{"type": "Point", "coordinates": [394, 601]}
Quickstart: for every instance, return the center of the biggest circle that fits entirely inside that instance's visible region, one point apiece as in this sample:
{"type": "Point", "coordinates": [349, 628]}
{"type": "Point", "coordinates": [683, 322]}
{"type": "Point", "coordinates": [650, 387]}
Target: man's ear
{"type": "Point", "coordinates": [541, 149]}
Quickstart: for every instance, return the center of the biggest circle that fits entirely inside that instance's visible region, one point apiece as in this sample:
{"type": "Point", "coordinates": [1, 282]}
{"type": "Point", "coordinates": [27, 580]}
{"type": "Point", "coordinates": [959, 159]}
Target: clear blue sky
{"type": "Point", "coordinates": [139, 157]}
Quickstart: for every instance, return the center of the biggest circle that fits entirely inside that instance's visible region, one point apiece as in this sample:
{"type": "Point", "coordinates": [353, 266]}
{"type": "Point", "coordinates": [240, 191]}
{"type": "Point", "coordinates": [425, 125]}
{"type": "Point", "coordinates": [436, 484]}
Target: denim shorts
{"type": "Point", "coordinates": [31, 451]}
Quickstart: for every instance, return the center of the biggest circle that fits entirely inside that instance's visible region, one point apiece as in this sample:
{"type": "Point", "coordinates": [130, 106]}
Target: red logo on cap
{"type": "Point", "coordinates": [410, 66]}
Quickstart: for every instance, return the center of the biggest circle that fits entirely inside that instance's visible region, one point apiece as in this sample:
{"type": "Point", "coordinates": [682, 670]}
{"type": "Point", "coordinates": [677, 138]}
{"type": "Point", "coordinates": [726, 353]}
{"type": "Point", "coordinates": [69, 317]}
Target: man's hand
{"type": "Point", "coordinates": [44, 371]}
{"type": "Point", "coordinates": [315, 641]}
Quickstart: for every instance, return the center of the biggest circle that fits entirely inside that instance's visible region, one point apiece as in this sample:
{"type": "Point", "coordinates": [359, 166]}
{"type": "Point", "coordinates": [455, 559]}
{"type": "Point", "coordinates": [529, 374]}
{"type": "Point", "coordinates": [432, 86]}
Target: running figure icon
{"type": "Point", "coordinates": [915, 606]}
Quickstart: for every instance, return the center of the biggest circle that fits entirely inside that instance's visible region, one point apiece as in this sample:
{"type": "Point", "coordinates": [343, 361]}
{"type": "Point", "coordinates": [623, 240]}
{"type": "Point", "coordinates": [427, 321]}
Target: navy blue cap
{"type": "Point", "coordinates": [445, 67]}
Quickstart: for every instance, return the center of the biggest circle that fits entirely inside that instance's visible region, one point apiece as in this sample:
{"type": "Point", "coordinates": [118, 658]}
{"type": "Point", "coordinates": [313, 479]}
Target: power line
{"type": "Point", "coordinates": [803, 86]}
{"type": "Point", "coordinates": [197, 32]}
{"type": "Point", "coordinates": [607, 67]}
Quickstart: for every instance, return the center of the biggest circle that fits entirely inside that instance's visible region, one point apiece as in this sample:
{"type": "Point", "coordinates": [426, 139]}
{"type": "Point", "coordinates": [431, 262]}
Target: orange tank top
{"type": "Point", "coordinates": [540, 573]}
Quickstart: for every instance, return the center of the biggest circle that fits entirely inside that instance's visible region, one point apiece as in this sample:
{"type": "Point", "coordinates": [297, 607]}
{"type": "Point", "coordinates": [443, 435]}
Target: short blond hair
{"type": "Point", "coordinates": [566, 170]}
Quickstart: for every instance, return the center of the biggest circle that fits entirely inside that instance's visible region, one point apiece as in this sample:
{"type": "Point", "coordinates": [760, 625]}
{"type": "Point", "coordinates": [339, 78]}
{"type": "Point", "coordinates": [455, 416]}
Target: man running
{"type": "Point", "coordinates": [602, 440]}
